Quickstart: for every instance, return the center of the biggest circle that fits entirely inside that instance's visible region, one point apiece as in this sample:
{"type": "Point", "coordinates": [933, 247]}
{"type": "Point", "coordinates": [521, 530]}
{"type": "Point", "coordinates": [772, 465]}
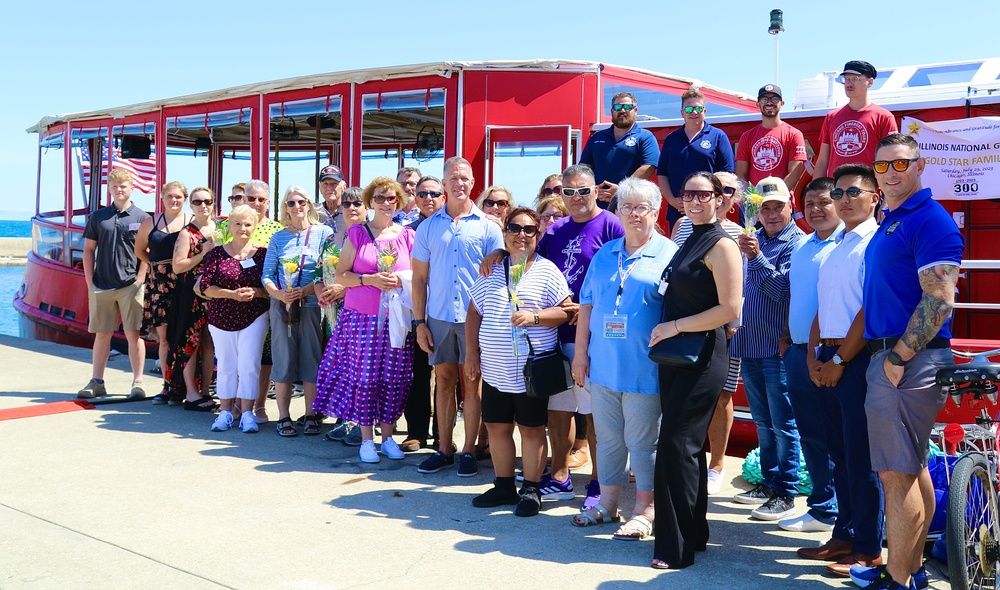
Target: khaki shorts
{"type": "Point", "coordinates": [106, 306]}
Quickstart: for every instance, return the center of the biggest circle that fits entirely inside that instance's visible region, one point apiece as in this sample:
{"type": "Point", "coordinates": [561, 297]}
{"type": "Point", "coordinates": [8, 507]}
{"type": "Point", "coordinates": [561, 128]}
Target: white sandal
{"type": "Point", "coordinates": [603, 517]}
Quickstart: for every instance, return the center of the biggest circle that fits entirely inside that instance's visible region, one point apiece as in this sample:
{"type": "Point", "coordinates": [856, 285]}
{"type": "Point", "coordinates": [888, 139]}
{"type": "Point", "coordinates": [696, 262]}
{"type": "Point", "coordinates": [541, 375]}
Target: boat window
{"type": "Point", "coordinates": [189, 165]}
{"type": "Point", "coordinates": [401, 129]}
{"type": "Point", "coordinates": [48, 243]}
{"type": "Point", "coordinates": [295, 126]}
{"type": "Point", "coordinates": [945, 74]}
{"type": "Point", "coordinates": [52, 179]}
{"type": "Point", "coordinates": [236, 168]}
{"type": "Point", "coordinates": [521, 166]}
{"type": "Point", "coordinates": [657, 104]}
{"type": "Point", "coordinates": [880, 79]}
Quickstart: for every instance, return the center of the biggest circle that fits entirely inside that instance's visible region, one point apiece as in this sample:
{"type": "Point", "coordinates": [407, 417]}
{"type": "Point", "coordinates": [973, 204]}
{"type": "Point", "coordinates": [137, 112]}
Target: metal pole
{"type": "Point", "coordinates": [776, 59]}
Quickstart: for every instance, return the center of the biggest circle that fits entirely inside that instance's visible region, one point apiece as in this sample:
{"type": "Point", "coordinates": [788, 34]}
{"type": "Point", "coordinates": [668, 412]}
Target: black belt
{"type": "Point", "coordinates": [879, 344]}
{"type": "Point", "coordinates": [801, 345]}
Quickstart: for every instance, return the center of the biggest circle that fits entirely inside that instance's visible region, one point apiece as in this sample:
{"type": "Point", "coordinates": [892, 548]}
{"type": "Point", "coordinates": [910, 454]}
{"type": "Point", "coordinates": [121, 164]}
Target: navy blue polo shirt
{"type": "Point", "coordinates": [115, 264]}
{"type": "Point", "coordinates": [916, 235]}
{"type": "Point", "coordinates": [709, 151]}
{"type": "Point", "coordinates": [616, 159]}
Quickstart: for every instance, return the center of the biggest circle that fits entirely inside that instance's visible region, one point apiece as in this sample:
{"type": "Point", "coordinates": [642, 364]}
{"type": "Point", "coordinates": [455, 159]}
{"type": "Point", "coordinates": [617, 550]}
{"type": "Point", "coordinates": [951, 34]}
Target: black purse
{"type": "Point", "coordinates": [687, 350]}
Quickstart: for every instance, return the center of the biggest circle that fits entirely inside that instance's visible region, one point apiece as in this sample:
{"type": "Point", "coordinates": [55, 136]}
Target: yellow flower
{"type": "Point", "coordinates": [290, 266]}
{"type": "Point", "coordinates": [332, 260]}
{"type": "Point", "coordinates": [389, 261]}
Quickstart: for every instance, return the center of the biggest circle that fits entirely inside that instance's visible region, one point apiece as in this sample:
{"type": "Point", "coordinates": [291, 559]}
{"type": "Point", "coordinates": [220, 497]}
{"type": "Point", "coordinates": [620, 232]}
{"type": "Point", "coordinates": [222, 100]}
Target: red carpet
{"type": "Point", "coordinates": [60, 407]}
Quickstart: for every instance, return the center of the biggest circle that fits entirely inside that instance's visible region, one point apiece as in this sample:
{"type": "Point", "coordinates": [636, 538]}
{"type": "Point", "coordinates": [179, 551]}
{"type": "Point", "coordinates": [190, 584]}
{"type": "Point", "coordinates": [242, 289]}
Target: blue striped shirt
{"type": "Point", "coordinates": [766, 295]}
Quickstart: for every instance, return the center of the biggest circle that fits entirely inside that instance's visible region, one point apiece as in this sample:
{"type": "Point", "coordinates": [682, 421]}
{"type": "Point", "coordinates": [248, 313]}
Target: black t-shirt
{"type": "Point", "coordinates": [115, 264]}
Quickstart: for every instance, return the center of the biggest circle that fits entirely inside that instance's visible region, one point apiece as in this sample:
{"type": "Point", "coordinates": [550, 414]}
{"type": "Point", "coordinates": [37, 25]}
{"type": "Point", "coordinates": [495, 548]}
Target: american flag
{"type": "Point", "coordinates": [143, 171]}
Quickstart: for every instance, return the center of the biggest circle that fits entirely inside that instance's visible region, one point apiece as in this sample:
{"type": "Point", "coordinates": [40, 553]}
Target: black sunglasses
{"type": "Point", "coordinates": [429, 194]}
{"type": "Point", "coordinates": [548, 192]}
{"type": "Point", "coordinates": [851, 192]}
{"type": "Point", "coordinates": [354, 204]}
{"type": "Point", "coordinates": [527, 230]}
{"type": "Point", "coordinates": [492, 203]}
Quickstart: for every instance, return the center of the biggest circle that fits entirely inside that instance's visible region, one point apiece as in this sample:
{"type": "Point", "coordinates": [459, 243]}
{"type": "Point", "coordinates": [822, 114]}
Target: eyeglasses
{"type": "Point", "coordinates": [429, 194]}
{"type": "Point", "coordinates": [769, 99]}
{"type": "Point", "coordinates": [852, 193]}
{"type": "Point", "coordinates": [700, 196]}
{"type": "Point", "coordinates": [852, 78]}
{"type": "Point", "coordinates": [900, 165]}
{"type": "Point", "coordinates": [552, 216]}
{"type": "Point", "coordinates": [296, 203]}
{"type": "Point", "coordinates": [626, 209]}
{"type": "Point", "coordinates": [517, 228]}
{"type": "Point", "coordinates": [694, 109]}
{"type": "Point", "coordinates": [200, 202]}
{"type": "Point", "coordinates": [548, 192]}
{"type": "Point", "coordinates": [729, 191]}
{"type": "Point", "coordinates": [618, 107]}
{"type": "Point", "coordinates": [236, 198]}
{"type": "Point", "coordinates": [583, 192]}
{"type": "Point", "coordinates": [498, 204]}
{"type": "Point", "coordinates": [256, 199]}
{"type": "Point", "coordinates": [354, 204]}
{"type": "Point", "coordinates": [382, 199]}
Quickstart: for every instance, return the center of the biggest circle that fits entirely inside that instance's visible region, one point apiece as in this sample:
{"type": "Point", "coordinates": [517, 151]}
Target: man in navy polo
{"type": "Point", "coordinates": [695, 147]}
{"type": "Point", "coordinates": [620, 151]}
{"type": "Point", "coordinates": [911, 267]}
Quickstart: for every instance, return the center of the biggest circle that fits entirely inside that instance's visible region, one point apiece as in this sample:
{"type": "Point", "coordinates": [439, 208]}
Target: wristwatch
{"type": "Point", "coordinates": [415, 323]}
{"type": "Point", "coordinates": [839, 360]}
{"type": "Point", "coordinates": [895, 359]}
{"type": "Point", "coordinates": [536, 318]}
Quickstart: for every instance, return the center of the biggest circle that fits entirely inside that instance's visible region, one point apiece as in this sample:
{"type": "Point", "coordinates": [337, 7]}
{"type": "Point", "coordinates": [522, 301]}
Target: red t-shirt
{"type": "Point", "coordinates": [853, 135]}
{"type": "Point", "coordinates": [769, 151]}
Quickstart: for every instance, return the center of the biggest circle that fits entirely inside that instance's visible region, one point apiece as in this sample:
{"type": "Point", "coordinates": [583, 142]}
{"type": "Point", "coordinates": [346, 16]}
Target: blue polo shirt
{"type": "Point", "coordinates": [709, 151]}
{"type": "Point", "coordinates": [624, 365]}
{"type": "Point", "coordinates": [916, 235]}
{"type": "Point", "coordinates": [803, 276]}
{"type": "Point", "coordinates": [615, 159]}
{"type": "Point", "coordinates": [453, 250]}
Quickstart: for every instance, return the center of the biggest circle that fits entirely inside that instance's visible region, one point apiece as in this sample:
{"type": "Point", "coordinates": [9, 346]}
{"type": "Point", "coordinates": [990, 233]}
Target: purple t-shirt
{"type": "Point", "coordinates": [365, 299]}
{"type": "Point", "coordinates": [219, 269]}
{"type": "Point", "coordinates": [571, 246]}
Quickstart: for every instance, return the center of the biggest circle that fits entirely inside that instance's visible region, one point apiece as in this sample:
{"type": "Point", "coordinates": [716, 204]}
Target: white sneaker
{"type": "Point", "coordinates": [247, 423]}
{"type": "Point", "coordinates": [391, 449]}
{"type": "Point", "coordinates": [223, 422]}
{"type": "Point", "coordinates": [368, 452]}
{"type": "Point", "coordinates": [714, 482]}
{"type": "Point", "coordinates": [804, 524]}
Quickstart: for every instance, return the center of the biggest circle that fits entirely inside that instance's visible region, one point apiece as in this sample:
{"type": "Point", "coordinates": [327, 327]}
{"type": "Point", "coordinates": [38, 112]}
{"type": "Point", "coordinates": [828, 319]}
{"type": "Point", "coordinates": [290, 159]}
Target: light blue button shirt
{"type": "Point", "coordinates": [803, 278]}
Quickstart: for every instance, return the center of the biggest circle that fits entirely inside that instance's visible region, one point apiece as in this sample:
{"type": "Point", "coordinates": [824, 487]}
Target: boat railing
{"type": "Point", "coordinates": [978, 265]}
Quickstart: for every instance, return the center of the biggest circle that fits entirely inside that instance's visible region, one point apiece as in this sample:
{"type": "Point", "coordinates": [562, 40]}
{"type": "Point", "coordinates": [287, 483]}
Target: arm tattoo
{"type": "Point", "coordinates": [938, 284]}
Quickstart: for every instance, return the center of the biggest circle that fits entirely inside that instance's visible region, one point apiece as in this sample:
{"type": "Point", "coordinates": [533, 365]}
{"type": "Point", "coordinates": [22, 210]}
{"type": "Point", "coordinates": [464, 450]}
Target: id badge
{"type": "Point", "coordinates": [662, 287]}
{"type": "Point", "coordinates": [247, 263]}
{"type": "Point", "coordinates": [615, 326]}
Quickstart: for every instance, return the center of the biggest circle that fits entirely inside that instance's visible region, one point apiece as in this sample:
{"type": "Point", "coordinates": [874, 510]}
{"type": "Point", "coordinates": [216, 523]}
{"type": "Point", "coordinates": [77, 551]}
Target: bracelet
{"type": "Point", "coordinates": [361, 280]}
{"type": "Point", "coordinates": [536, 318]}
{"type": "Point", "coordinates": [676, 327]}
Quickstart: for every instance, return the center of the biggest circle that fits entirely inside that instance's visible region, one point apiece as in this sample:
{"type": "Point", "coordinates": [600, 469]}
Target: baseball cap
{"type": "Point", "coordinates": [769, 89]}
{"type": "Point", "coordinates": [773, 189]}
{"type": "Point", "coordinates": [860, 67]}
{"type": "Point", "coordinates": [331, 172]}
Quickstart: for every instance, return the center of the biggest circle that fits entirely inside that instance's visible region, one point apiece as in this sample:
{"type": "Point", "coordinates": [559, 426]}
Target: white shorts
{"type": "Point", "coordinates": [576, 399]}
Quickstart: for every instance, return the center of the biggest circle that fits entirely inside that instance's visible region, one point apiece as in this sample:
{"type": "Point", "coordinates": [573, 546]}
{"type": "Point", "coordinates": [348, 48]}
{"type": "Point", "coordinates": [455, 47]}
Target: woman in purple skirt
{"type": "Point", "coordinates": [362, 378]}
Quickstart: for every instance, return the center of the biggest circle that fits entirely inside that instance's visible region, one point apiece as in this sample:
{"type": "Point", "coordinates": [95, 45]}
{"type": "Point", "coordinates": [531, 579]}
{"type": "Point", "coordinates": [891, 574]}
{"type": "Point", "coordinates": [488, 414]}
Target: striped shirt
{"type": "Point", "coordinates": [766, 295]}
{"type": "Point", "coordinates": [685, 227]}
{"type": "Point", "coordinates": [542, 286]}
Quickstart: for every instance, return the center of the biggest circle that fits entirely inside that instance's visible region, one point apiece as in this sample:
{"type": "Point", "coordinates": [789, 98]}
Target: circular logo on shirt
{"type": "Point", "coordinates": [630, 142]}
{"type": "Point", "coordinates": [766, 152]}
{"type": "Point", "coordinates": [850, 139]}
{"type": "Point", "coordinates": [705, 144]}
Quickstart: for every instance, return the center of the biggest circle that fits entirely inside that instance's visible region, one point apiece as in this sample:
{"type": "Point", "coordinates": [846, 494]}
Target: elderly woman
{"type": "Point", "coordinates": [364, 378]}
{"type": "Point", "coordinates": [550, 210]}
{"type": "Point", "coordinates": [704, 293]}
{"type": "Point", "coordinates": [154, 244]}
{"type": "Point", "coordinates": [506, 311]}
{"type": "Point", "coordinates": [551, 187]}
{"type": "Point", "coordinates": [296, 330]}
{"type": "Point", "coordinates": [237, 316]}
{"type": "Point", "coordinates": [187, 330]}
{"type": "Point", "coordinates": [495, 202]}
{"type": "Point", "coordinates": [619, 305]}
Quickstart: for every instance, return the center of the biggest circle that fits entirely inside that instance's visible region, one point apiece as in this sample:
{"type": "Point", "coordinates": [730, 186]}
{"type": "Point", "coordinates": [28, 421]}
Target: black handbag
{"type": "Point", "coordinates": [687, 350]}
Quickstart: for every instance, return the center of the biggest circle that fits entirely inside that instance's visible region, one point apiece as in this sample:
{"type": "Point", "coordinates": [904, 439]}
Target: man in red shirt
{"type": "Point", "coordinates": [849, 134]}
{"type": "Point", "coordinates": [773, 148]}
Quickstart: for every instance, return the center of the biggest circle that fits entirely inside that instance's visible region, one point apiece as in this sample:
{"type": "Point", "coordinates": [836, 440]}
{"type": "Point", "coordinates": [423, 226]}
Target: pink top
{"type": "Point", "coordinates": [365, 299]}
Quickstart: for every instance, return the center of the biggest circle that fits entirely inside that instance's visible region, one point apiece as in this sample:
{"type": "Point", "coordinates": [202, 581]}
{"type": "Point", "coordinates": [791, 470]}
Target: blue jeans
{"type": "Point", "coordinates": [767, 391]}
{"type": "Point", "coordinates": [811, 417]}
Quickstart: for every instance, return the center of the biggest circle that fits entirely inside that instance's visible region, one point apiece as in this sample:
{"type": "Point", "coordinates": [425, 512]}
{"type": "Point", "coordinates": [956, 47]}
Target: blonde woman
{"type": "Point", "coordinates": [495, 202]}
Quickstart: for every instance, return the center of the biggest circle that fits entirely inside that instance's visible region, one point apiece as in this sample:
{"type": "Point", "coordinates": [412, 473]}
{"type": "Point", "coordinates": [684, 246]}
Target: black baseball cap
{"type": "Point", "coordinates": [331, 172]}
{"type": "Point", "coordinates": [769, 89]}
{"type": "Point", "coordinates": [860, 67]}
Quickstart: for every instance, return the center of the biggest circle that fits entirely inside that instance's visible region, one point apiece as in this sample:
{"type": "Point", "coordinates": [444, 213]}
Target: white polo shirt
{"type": "Point", "coordinates": [841, 281]}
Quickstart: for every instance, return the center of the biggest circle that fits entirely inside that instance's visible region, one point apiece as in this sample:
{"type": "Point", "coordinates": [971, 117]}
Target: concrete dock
{"type": "Point", "coordinates": [132, 495]}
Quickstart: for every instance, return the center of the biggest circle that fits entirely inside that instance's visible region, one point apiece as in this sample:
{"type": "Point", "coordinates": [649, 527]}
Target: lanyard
{"type": "Point", "coordinates": [624, 277]}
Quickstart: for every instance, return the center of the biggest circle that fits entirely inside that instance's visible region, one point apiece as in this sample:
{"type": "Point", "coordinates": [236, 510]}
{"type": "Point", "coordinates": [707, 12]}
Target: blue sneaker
{"type": "Point", "coordinates": [863, 577]}
{"type": "Point", "coordinates": [593, 496]}
{"type": "Point", "coordinates": [556, 490]}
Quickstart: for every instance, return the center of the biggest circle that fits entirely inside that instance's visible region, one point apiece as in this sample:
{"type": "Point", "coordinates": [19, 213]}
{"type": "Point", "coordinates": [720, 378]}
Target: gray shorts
{"type": "Point", "coordinates": [296, 357]}
{"type": "Point", "coordinates": [449, 342]}
{"type": "Point", "coordinates": [900, 419]}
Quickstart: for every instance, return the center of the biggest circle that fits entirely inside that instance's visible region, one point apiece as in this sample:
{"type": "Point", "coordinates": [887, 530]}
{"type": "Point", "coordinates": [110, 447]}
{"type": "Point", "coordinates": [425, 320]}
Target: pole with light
{"type": "Point", "coordinates": [776, 27]}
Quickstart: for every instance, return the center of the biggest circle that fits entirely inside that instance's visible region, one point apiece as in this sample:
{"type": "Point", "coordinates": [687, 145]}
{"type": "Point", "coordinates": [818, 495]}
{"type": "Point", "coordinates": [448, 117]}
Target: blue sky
{"type": "Point", "coordinates": [62, 57]}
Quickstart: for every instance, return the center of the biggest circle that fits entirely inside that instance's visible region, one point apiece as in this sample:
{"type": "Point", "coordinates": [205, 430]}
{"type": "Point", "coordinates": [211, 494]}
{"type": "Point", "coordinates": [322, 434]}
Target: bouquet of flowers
{"type": "Point", "coordinates": [289, 266]}
{"type": "Point", "coordinates": [752, 200]}
{"type": "Point", "coordinates": [516, 272]}
{"type": "Point", "coordinates": [519, 336]}
{"type": "Point", "coordinates": [386, 263]}
{"type": "Point", "coordinates": [331, 257]}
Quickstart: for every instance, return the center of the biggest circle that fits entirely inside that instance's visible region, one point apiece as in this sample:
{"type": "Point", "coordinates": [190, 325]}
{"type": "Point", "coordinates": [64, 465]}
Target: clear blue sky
{"type": "Point", "coordinates": [61, 57]}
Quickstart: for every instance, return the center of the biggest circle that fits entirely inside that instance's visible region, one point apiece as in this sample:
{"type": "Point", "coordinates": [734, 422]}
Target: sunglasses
{"type": "Point", "coordinates": [296, 203]}
{"type": "Point", "coordinates": [200, 202]}
{"type": "Point", "coordinates": [626, 209]}
{"type": "Point", "coordinates": [352, 204]}
{"type": "Point", "coordinates": [383, 199]}
{"type": "Point", "coordinates": [552, 216]}
{"type": "Point", "coordinates": [694, 109]}
{"type": "Point", "coordinates": [900, 165]}
{"type": "Point", "coordinates": [236, 198]}
{"type": "Point", "coordinates": [700, 196]}
{"type": "Point", "coordinates": [492, 203]}
{"type": "Point", "coordinates": [618, 107]}
{"type": "Point", "coordinates": [429, 194]}
{"type": "Point", "coordinates": [852, 193]}
{"type": "Point", "coordinates": [548, 192]}
{"type": "Point", "coordinates": [256, 199]}
{"type": "Point", "coordinates": [583, 192]}
{"type": "Point", "coordinates": [517, 228]}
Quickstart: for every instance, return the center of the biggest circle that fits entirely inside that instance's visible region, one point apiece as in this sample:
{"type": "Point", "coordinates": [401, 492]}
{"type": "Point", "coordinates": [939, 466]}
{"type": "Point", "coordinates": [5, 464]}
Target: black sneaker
{"type": "Point", "coordinates": [495, 496]}
{"type": "Point", "coordinates": [885, 582]}
{"type": "Point", "coordinates": [467, 466]}
{"type": "Point", "coordinates": [776, 508]}
{"type": "Point", "coordinates": [531, 500]}
{"type": "Point", "coordinates": [435, 463]}
{"type": "Point", "coordinates": [756, 496]}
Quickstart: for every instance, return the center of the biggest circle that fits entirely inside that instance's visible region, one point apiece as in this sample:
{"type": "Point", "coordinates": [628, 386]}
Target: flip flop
{"type": "Point", "coordinates": [636, 529]}
{"type": "Point", "coordinates": [203, 404]}
{"type": "Point", "coordinates": [588, 519]}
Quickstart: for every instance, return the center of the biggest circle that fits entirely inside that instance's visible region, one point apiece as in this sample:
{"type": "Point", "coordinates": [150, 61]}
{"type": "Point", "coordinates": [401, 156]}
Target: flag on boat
{"type": "Point", "coordinates": [143, 171]}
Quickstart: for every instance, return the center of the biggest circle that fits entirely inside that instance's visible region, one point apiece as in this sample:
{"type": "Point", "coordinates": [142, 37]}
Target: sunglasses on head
{"type": "Point", "coordinates": [700, 196]}
{"type": "Point", "coordinates": [852, 193]}
{"type": "Point", "coordinates": [899, 165]}
{"type": "Point", "coordinates": [492, 203]}
{"type": "Point", "coordinates": [200, 202]}
{"type": "Point", "coordinates": [517, 228]}
{"type": "Point", "coordinates": [618, 107]}
{"type": "Point", "coordinates": [354, 204]}
{"type": "Point", "coordinates": [296, 203]}
{"type": "Point", "coordinates": [429, 194]}
{"type": "Point", "coordinates": [583, 191]}
{"type": "Point", "coordinates": [548, 192]}
{"type": "Point", "coordinates": [382, 199]}
{"type": "Point", "coordinates": [694, 109]}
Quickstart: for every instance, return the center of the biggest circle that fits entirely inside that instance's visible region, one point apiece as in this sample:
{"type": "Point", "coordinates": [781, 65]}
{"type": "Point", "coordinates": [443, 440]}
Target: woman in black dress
{"type": "Point", "coordinates": [704, 293]}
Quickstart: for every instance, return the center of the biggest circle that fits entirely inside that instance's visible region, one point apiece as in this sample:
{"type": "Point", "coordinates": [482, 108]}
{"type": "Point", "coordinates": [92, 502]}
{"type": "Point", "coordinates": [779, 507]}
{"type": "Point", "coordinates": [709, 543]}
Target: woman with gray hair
{"type": "Point", "coordinates": [619, 306]}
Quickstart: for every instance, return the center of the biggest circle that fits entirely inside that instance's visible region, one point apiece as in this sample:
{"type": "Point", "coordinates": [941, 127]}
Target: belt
{"type": "Point", "coordinates": [800, 345]}
{"type": "Point", "coordinates": [879, 344]}
{"type": "Point", "coordinates": [832, 341]}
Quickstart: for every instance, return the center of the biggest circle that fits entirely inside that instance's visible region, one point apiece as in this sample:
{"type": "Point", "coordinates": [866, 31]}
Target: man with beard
{"type": "Point", "coordinates": [620, 151]}
{"type": "Point", "coordinates": [408, 178]}
{"type": "Point", "coordinates": [773, 148]}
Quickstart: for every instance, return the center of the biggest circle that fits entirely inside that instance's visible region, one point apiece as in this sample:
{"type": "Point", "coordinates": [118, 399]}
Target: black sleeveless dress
{"type": "Point", "coordinates": [687, 400]}
{"type": "Point", "coordinates": [160, 280]}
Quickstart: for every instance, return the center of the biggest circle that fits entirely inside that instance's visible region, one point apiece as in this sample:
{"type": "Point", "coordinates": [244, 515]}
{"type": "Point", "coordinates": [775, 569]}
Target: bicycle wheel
{"type": "Point", "coordinates": [973, 526]}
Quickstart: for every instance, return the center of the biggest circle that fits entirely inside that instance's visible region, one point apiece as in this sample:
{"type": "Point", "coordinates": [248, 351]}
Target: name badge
{"type": "Point", "coordinates": [615, 326]}
{"type": "Point", "coordinates": [247, 263]}
{"type": "Point", "coordinates": [662, 287]}
{"type": "Point", "coordinates": [134, 226]}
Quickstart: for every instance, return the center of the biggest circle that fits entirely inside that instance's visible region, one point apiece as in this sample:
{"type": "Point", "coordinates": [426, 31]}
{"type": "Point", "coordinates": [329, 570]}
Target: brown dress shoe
{"type": "Point", "coordinates": [832, 550]}
{"type": "Point", "coordinates": [410, 445]}
{"type": "Point", "coordinates": [843, 567]}
{"type": "Point", "coordinates": [578, 459]}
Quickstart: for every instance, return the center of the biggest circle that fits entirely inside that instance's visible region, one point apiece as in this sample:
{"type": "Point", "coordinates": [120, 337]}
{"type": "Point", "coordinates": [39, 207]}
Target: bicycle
{"type": "Point", "coordinates": [973, 512]}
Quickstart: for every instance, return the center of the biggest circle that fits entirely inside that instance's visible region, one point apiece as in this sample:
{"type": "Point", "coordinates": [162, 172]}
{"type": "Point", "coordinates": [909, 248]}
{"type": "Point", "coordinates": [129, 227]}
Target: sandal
{"type": "Point", "coordinates": [659, 564]}
{"type": "Point", "coordinates": [310, 425]}
{"type": "Point", "coordinates": [160, 399]}
{"type": "Point", "coordinates": [636, 529]}
{"type": "Point", "coordinates": [585, 519]}
{"type": "Point", "coordinates": [203, 404]}
{"type": "Point", "coordinates": [285, 428]}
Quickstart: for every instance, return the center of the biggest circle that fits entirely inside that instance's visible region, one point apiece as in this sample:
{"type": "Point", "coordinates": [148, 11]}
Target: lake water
{"type": "Point", "coordinates": [10, 277]}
